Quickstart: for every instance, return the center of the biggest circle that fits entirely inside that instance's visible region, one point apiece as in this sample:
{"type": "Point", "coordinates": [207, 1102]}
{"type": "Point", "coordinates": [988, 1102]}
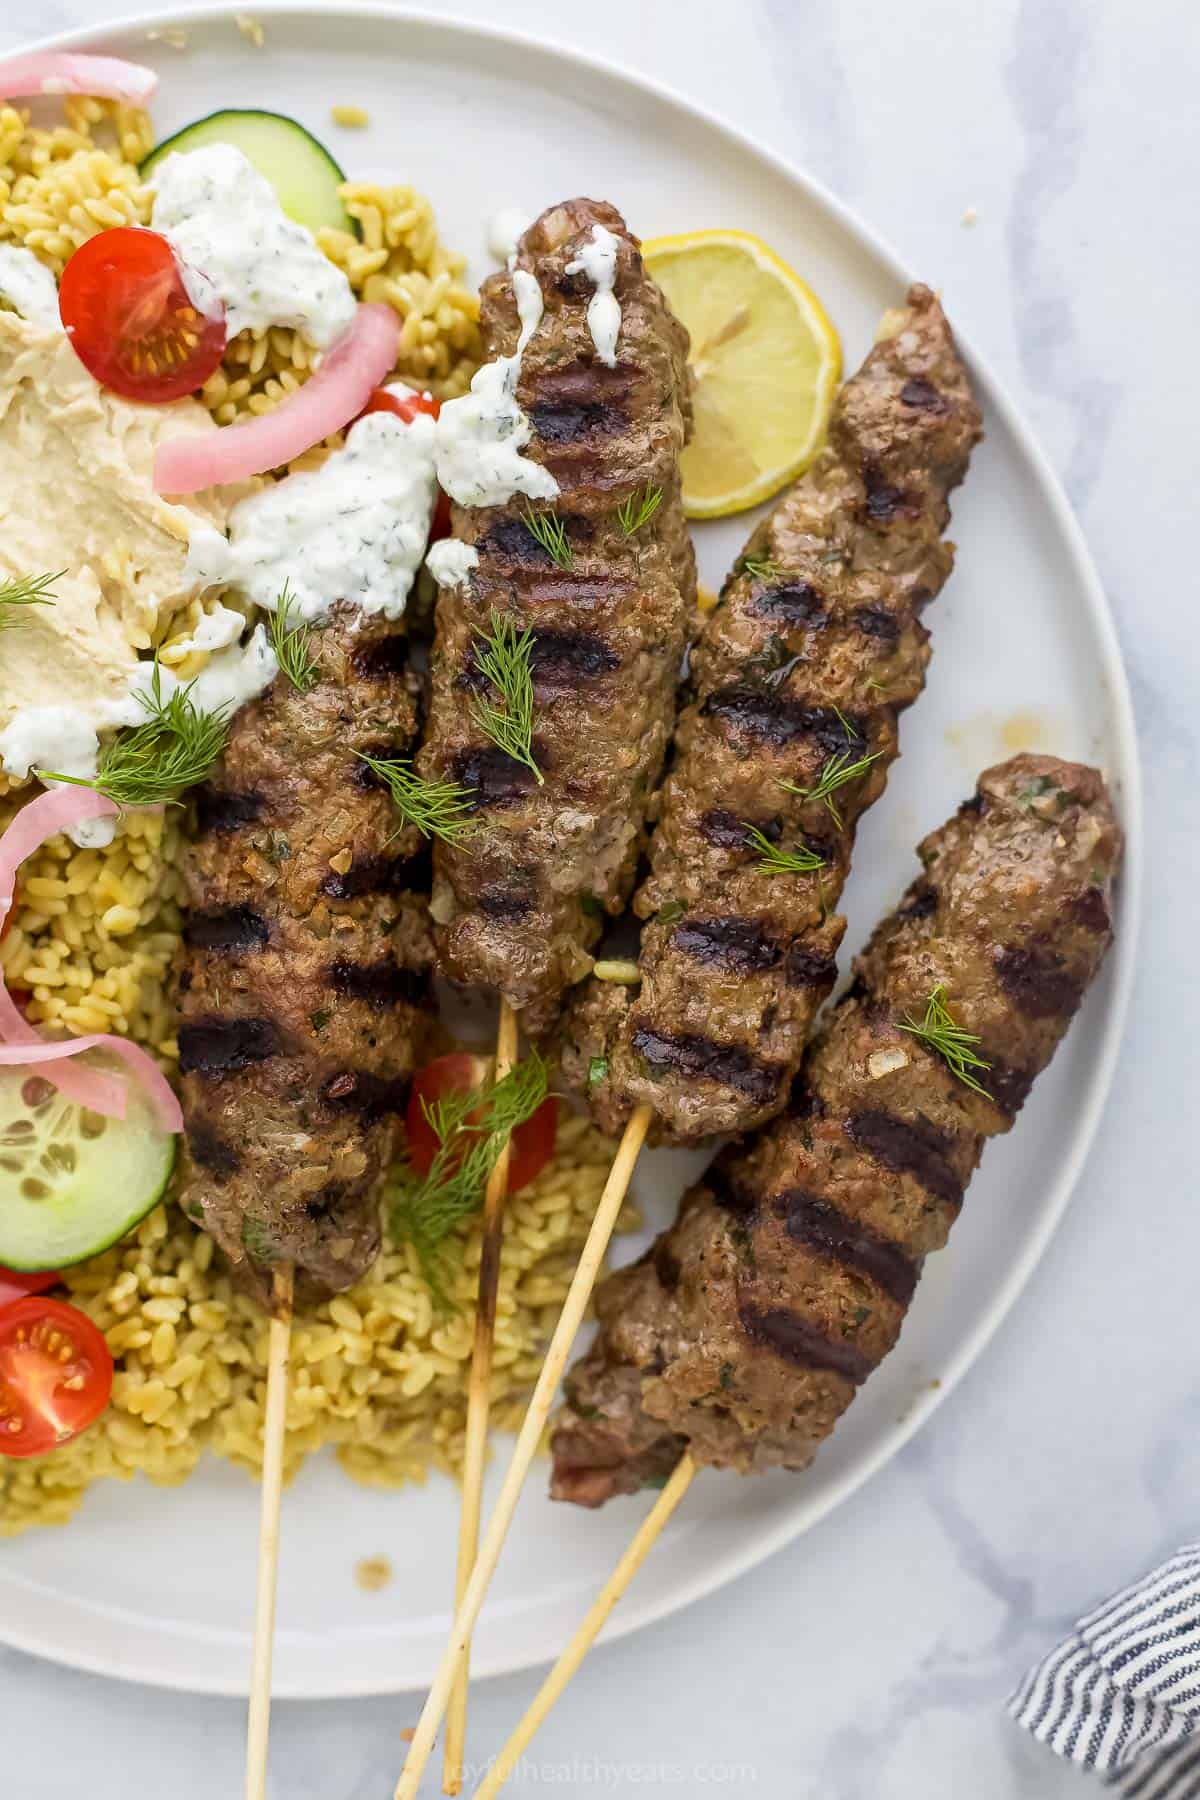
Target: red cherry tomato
{"type": "Point", "coordinates": [56, 1375]}
{"type": "Point", "coordinates": [131, 322]}
{"type": "Point", "coordinates": [532, 1142]}
{"type": "Point", "coordinates": [15, 1284]}
{"type": "Point", "coordinates": [406, 407]}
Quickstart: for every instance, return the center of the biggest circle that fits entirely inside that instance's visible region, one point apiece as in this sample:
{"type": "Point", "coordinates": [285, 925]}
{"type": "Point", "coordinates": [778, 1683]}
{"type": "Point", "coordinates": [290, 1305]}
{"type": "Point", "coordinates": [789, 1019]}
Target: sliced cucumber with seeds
{"type": "Point", "coordinates": [304, 175]}
{"type": "Point", "coordinates": [72, 1183]}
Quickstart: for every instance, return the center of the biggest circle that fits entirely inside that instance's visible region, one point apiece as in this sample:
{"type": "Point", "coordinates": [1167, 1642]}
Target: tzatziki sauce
{"type": "Point", "coordinates": [450, 562]}
{"type": "Point", "coordinates": [598, 261]}
{"type": "Point", "coordinates": [480, 436]}
{"type": "Point", "coordinates": [354, 529]}
{"type": "Point", "coordinates": [223, 221]}
{"type": "Point", "coordinates": [28, 287]}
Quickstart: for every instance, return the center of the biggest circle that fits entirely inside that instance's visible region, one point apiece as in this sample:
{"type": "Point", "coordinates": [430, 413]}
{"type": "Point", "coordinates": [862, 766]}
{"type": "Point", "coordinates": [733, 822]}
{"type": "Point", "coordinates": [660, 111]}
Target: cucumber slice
{"type": "Point", "coordinates": [72, 1183]}
{"type": "Point", "coordinates": [305, 177]}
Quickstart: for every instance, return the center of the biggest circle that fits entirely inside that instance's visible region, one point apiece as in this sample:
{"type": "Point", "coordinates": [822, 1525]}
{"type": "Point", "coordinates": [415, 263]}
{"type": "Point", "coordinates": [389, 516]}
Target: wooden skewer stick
{"type": "Point", "coordinates": [551, 1690]}
{"type": "Point", "coordinates": [278, 1355]}
{"type": "Point", "coordinates": [479, 1397]}
{"type": "Point", "coordinates": [540, 1407]}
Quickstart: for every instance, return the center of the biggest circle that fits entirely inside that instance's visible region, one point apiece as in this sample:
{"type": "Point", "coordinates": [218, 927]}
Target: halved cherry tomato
{"type": "Point", "coordinates": [132, 324]}
{"type": "Point", "coordinates": [14, 1284]}
{"type": "Point", "coordinates": [406, 407]}
{"type": "Point", "coordinates": [532, 1143]}
{"type": "Point", "coordinates": [56, 1375]}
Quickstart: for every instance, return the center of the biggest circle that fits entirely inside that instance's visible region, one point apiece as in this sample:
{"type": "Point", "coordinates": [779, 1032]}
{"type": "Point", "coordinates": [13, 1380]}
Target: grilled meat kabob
{"type": "Point", "coordinates": [746, 1331]}
{"type": "Point", "coordinates": [815, 648]}
{"type": "Point", "coordinates": [582, 543]}
{"type": "Point", "coordinates": [304, 981]}
{"type": "Point", "coordinates": [566, 594]}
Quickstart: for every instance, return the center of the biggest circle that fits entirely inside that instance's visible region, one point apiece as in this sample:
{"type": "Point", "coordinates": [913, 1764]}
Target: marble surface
{"type": "Point", "coordinates": [871, 1660]}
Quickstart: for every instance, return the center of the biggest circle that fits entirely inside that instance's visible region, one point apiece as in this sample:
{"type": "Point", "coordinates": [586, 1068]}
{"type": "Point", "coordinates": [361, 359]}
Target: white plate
{"type": "Point", "coordinates": [156, 1585]}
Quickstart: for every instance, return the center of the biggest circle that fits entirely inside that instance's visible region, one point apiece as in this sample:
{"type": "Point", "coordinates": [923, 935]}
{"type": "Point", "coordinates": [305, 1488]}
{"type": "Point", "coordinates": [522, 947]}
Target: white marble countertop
{"type": "Point", "coordinates": [873, 1657]}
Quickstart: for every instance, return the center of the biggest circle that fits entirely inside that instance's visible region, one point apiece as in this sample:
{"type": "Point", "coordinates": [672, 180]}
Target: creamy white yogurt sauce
{"type": "Point", "coordinates": [504, 229]}
{"type": "Point", "coordinates": [481, 435]}
{"type": "Point", "coordinates": [228, 229]}
{"type": "Point", "coordinates": [66, 739]}
{"type": "Point", "coordinates": [214, 629]}
{"type": "Point", "coordinates": [355, 529]}
{"type": "Point", "coordinates": [29, 287]}
{"type": "Point", "coordinates": [450, 562]}
{"type": "Point", "coordinates": [598, 261]}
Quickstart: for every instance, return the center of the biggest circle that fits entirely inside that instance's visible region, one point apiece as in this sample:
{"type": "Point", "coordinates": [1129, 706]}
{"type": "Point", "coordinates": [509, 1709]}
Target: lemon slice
{"type": "Point", "coordinates": [766, 362]}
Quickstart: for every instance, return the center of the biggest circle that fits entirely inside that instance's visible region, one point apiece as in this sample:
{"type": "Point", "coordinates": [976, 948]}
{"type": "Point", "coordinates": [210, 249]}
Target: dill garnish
{"type": "Point", "coordinates": [761, 568]}
{"type": "Point", "coordinates": [597, 1070]}
{"type": "Point", "coordinates": [440, 809]}
{"type": "Point", "coordinates": [836, 773]}
{"type": "Point", "coordinates": [551, 534]}
{"type": "Point", "coordinates": [291, 645]}
{"type": "Point", "coordinates": [773, 860]}
{"type": "Point", "coordinates": [25, 590]}
{"type": "Point", "coordinates": [471, 1130]}
{"type": "Point", "coordinates": [951, 1042]}
{"type": "Point", "coordinates": [638, 510]}
{"type": "Point", "coordinates": [505, 657]}
{"type": "Point", "coordinates": [152, 764]}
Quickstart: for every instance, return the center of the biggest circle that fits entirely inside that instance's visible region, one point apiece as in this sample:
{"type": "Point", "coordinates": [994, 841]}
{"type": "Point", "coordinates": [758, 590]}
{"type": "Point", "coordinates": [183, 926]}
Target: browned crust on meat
{"type": "Point", "coordinates": [811, 660]}
{"type": "Point", "coordinates": [303, 983]}
{"type": "Point", "coordinates": [747, 1330]}
{"type": "Point", "coordinates": [522, 902]}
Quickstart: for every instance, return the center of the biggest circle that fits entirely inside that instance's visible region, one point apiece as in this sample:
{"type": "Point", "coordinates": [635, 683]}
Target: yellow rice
{"type": "Point", "coordinates": [379, 1373]}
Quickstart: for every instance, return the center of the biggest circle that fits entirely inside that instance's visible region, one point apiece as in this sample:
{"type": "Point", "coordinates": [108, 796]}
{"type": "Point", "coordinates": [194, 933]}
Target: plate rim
{"type": "Point", "coordinates": [636, 1613]}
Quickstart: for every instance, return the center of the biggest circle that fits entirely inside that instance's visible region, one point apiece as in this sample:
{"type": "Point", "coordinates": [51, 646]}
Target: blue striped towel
{"type": "Point", "coordinates": [1121, 1695]}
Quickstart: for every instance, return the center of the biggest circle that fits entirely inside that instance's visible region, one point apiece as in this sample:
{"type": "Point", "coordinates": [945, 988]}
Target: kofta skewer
{"type": "Point", "coordinates": [304, 988]}
{"type": "Point", "coordinates": [742, 1336]}
{"type": "Point", "coordinates": [560, 630]}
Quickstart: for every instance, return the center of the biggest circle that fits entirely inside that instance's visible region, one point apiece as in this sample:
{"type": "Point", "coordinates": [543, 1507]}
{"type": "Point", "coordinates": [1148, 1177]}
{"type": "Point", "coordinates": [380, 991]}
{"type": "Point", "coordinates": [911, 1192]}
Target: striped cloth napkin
{"type": "Point", "coordinates": [1121, 1695]}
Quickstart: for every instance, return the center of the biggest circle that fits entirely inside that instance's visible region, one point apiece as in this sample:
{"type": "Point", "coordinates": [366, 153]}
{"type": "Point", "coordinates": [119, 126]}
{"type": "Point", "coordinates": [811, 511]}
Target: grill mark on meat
{"type": "Point", "coordinates": [778, 721]}
{"type": "Point", "coordinates": [494, 779]}
{"type": "Point", "coordinates": [883, 500]}
{"type": "Point", "coordinates": [807, 968]}
{"type": "Point", "coordinates": [562, 422]}
{"type": "Point", "coordinates": [512, 540]}
{"type": "Point", "coordinates": [383, 660]}
{"type": "Point", "coordinates": [1008, 1087]}
{"type": "Point", "coordinates": [363, 775]}
{"type": "Point", "coordinates": [922, 396]}
{"type": "Point", "coordinates": [725, 831]}
{"type": "Point", "coordinates": [877, 622]}
{"type": "Point", "coordinates": [380, 984]}
{"type": "Point", "coordinates": [907, 1149]}
{"type": "Point", "coordinates": [666, 1265]}
{"type": "Point", "coordinates": [687, 1053]}
{"type": "Point", "coordinates": [380, 875]}
{"type": "Point", "coordinates": [371, 1097]}
{"type": "Point", "coordinates": [558, 588]}
{"type": "Point", "coordinates": [211, 1151]}
{"type": "Point", "coordinates": [921, 904]}
{"type": "Point", "coordinates": [976, 805]}
{"type": "Point", "coordinates": [226, 930]}
{"type": "Point", "coordinates": [1038, 982]}
{"type": "Point", "coordinates": [216, 1046]}
{"type": "Point", "coordinates": [741, 945]}
{"type": "Point", "coordinates": [727, 1192]}
{"type": "Point", "coordinates": [821, 1226]}
{"type": "Point", "coordinates": [224, 810]}
{"type": "Point", "coordinates": [798, 1341]}
{"type": "Point", "coordinates": [562, 659]}
{"type": "Point", "coordinates": [500, 905]}
{"type": "Point", "coordinates": [1091, 910]}
{"type": "Point", "coordinates": [790, 603]}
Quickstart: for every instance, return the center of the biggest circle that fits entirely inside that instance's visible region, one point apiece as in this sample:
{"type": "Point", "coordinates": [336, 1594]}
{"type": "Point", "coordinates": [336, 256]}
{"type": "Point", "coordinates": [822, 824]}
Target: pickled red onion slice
{"type": "Point", "coordinates": [65, 72]}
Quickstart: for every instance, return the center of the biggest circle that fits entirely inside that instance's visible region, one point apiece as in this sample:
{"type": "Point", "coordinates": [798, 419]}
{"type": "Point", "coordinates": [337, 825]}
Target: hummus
{"type": "Point", "coordinates": [77, 495]}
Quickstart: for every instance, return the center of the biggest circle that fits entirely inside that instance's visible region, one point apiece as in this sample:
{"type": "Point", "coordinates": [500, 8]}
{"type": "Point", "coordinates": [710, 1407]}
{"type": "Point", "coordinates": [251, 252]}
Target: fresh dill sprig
{"type": "Point", "coordinates": [773, 860]}
{"type": "Point", "coordinates": [471, 1130]}
{"type": "Point", "coordinates": [440, 809]}
{"type": "Point", "coordinates": [951, 1042]}
{"type": "Point", "coordinates": [761, 568]}
{"type": "Point", "coordinates": [290, 643]}
{"type": "Point", "coordinates": [25, 590]}
{"type": "Point", "coordinates": [551, 534]}
{"type": "Point", "coordinates": [505, 657]}
{"type": "Point", "coordinates": [638, 510]}
{"type": "Point", "coordinates": [836, 773]}
{"type": "Point", "coordinates": [152, 764]}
